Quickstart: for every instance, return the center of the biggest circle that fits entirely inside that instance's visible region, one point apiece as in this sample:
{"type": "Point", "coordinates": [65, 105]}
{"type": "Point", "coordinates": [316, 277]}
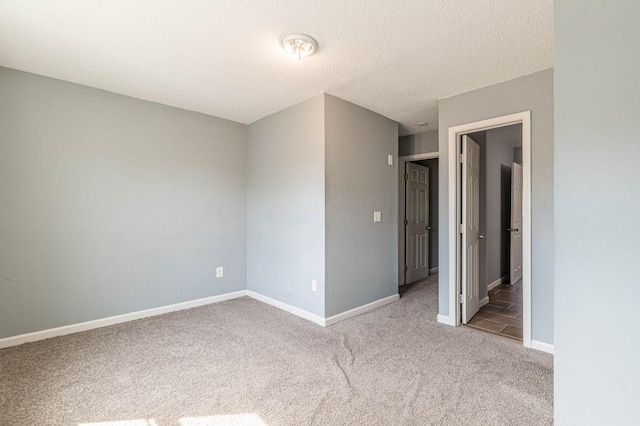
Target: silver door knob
{"type": "Point", "coordinates": [480, 237]}
{"type": "Point", "coordinates": [428, 228]}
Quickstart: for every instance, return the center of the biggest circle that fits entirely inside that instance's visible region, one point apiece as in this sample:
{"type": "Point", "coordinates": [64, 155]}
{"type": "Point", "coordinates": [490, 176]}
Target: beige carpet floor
{"type": "Point", "coordinates": [242, 362]}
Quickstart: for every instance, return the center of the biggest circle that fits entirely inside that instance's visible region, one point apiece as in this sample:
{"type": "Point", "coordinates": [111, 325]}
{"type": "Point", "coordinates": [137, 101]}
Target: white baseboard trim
{"type": "Point", "coordinates": [325, 322]}
{"type": "Point", "coordinates": [495, 284]}
{"type": "Point", "coordinates": [117, 319]}
{"type": "Point", "coordinates": [484, 301]}
{"type": "Point", "coordinates": [360, 310]}
{"type": "Point", "coordinates": [288, 308]}
{"type": "Point", "coordinates": [443, 319]}
{"type": "Point", "coordinates": [433, 270]}
{"type": "Point", "coordinates": [541, 346]}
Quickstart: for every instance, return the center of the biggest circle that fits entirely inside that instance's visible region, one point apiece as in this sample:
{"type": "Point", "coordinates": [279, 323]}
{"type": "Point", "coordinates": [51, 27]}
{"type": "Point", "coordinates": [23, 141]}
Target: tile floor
{"type": "Point", "coordinates": [503, 314]}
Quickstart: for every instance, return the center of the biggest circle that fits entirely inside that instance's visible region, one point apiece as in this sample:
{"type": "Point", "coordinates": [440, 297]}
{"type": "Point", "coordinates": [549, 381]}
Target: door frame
{"type": "Point", "coordinates": [454, 181]}
{"type": "Point", "coordinates": [402, 165]}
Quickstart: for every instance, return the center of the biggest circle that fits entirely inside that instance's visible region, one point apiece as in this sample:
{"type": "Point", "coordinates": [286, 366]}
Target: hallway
{"type": "Point", "coordinates": [503, 314]}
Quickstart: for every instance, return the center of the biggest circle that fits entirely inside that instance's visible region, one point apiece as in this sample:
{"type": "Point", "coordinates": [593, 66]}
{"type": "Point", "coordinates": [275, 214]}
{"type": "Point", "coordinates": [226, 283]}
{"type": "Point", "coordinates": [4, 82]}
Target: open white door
{"type": "Point", "coordinates": [416, 222]}
{"type": "Point", "coordinates": [515, 274]}
{"type": "Point", "coordinates": [471, 228]}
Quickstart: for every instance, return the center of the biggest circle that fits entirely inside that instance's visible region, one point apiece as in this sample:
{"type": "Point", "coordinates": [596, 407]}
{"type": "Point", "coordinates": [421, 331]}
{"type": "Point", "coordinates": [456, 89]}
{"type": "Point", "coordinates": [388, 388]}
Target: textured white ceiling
{"type": "Point", "coordinates": [224, 58]}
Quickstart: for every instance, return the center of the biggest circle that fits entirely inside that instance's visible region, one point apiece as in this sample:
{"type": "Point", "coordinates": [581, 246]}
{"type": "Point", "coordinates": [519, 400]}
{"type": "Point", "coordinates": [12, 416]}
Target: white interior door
{"type": "Point", "coordinates": [416, 222]}
{"type": "Point", "coordinates": [516, 224]}
{"type": "Point", "coordinates": [471, 228]}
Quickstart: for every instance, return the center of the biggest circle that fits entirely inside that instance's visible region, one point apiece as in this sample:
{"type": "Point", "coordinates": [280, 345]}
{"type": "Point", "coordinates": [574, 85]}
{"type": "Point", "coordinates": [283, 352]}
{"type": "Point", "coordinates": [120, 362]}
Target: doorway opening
{"type": "Point", "coordinates": [497, 209]}
{"type": "Point", "coordinates": [418, 223]}
{"type": "Point", "coordinates": [470, 286]}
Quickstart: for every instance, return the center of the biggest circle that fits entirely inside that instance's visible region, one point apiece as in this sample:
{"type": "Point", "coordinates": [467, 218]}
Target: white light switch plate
{"type": "Point", "coordinates": [314, 285]}
{"type": "Point", "coordinates": [219, 272]}
{"type": "Point", "coordinates": [390, 160]}
{"type": "Point", "coordinates": [377, 216]}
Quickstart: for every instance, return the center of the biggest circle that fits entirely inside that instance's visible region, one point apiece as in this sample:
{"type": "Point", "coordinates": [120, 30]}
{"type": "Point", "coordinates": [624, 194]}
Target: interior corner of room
{"type": "Point", "coordinates": [130, 184]}
{"type": "Point", "coordinates": [344, 143]}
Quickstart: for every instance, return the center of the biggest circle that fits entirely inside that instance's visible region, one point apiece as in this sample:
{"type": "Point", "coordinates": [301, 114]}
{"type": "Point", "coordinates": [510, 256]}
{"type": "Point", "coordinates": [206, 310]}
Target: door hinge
{"type": "Point", "coordinates": [460, 298]}
{"type": "Point", "coordinates": [406, 176]}
{"type": "Point", "coordinates": [406, 222]}
{"type": "Point", "coordinates": [461, 158]}
{"type": "Point", "coordinates": [461, 228]}
{"type": "Point", "coordinates": [406, 268]}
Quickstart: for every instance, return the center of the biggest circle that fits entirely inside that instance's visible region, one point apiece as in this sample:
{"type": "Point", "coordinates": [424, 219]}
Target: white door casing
{"type": "Point", "coordinates": [416, 222]}
{"type": "Point", "coordinates": [471, 228]}
{"type": "Point", "coordinates": [452, 263]}
{"type": "Point", "coordinates": [515, 272]}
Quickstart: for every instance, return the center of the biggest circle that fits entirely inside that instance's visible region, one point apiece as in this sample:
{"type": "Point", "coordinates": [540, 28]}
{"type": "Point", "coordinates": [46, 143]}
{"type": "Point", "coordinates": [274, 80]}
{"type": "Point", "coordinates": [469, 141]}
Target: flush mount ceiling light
{"type": "Point", "coordinates": [299, 45]}
{"type": "Point", "coordinates": [423, 123]}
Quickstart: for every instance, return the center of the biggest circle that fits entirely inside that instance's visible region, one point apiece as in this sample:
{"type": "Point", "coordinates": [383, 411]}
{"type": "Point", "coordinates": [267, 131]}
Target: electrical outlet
{"type": "Point", "coordinates": [219, 272]}
{"type": "Point", "coordinates": [377, 216]}
{"type": "Point", "coordinates": [390, 160]}
{"type": "Point", "coordinates": [314, 285]}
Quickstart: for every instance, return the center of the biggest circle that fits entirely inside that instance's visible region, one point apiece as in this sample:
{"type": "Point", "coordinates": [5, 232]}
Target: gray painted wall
{"type": "Point", "coordinates": [361, 256]}
{"type": "Point", "coordinates": [532, 92]}
{"type": "Point", "coordinates": [420, 143]}
{"type": "Point", "coordinates": [286, 206]}
{"type": "Point", "coordinates": [432, 165]}
{"type": "Point", "coordinates": [111, 204]}
{"type": "Point", "coordinates": [597, 99]}
{"type": "Point", "coordinates": [517, 155]}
